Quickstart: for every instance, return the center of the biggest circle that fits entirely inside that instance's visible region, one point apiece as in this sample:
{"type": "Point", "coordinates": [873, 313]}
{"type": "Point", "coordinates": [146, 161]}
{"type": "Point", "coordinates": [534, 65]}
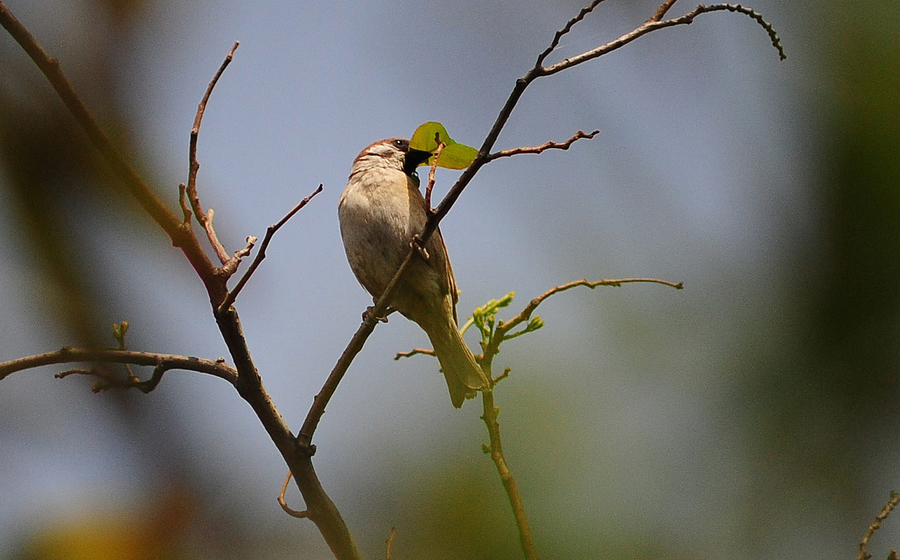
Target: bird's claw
{"type": "Point", "coordinates": [369, 310]}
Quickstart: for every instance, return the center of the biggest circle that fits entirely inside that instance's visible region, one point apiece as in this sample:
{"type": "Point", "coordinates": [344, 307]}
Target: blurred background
{"type": "Point", "coordinates": [752, 415]}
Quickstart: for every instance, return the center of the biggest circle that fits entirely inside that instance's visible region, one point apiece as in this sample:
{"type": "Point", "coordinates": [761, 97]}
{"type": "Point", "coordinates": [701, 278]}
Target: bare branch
{"type": "Point", "coordinates": [270, 232]}
{"type": "Point", "coordinates": [162, 362]}
{"type": "Point", "coordinates": [548, 146]}
{"type": "Point", "coordinates": [248, 383]}
{"type": "Point", "coordinates": [185, 206]}
{"type": "Point", "coordinates": [652, 25]}
{"type": "Point", "coordinates": [885, 511]}
{"type": "Point", "coordinates": [204, 219]}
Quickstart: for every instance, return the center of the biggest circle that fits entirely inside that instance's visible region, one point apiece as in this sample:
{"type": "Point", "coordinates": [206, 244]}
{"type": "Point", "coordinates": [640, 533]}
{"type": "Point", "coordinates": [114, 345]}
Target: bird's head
{"type": "Point", "coordinates": [392, 153]}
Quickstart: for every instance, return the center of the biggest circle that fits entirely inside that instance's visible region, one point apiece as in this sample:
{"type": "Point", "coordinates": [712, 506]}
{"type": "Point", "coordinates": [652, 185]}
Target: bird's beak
{"type": "Point", "coordinates": [414, 158]}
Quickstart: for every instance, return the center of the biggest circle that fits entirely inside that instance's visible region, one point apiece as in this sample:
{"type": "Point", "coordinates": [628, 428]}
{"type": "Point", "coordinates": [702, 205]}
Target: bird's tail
{"type": "Point", "coordinates": [460, 369]}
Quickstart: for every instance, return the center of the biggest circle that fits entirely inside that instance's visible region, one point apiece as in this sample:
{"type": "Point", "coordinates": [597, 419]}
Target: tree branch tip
{"type": "Point", "coordinates": [389, 544]}
{"type": "Point", "coordinates": [749, 12]}
{"type": "Point", "coordinates": [413, 352]}
{"type": "Point", "coordinates": [67, 372]}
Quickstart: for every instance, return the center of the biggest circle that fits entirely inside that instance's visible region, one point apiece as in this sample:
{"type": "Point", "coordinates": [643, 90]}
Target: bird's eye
{"type": "Point", "coordinates": [400, 144]}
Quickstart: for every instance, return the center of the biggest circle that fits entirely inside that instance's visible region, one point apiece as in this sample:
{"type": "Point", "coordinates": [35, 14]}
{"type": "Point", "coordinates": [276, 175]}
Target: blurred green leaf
{"type": "Point", "coordinates": [454, 155]}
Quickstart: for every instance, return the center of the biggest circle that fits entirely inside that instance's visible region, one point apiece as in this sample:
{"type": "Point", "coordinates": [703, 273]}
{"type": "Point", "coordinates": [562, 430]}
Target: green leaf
{"type": "Point", "coordinates": [484, 316]}
{"type": "Point", "coordinates": [454, 154]}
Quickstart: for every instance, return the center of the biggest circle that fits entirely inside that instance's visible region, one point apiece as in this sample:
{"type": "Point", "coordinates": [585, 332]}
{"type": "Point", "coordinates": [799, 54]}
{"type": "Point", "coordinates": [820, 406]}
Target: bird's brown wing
{"type": "Point", "coordinates": [442, 264]}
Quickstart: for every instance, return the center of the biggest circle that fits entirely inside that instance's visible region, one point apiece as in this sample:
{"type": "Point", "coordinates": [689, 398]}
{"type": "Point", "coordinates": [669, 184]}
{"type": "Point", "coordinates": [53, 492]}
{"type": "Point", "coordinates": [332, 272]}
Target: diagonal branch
{"type": "Point", "coordinates": [270, 232]}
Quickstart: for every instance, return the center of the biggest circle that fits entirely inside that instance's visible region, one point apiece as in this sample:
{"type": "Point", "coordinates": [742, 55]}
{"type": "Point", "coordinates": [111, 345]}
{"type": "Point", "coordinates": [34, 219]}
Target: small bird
{"type": "Point", "coordinates": [380, 211]}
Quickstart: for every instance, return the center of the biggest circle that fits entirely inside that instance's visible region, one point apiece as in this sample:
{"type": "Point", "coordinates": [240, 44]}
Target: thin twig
{"type": "Point", "coordinates": [205, 220]}
{"type": "Point", "coordinates": [490, 411]}
{"type": "Point", "coordinates": [414, 352]}
{"type": "Point", "coordinates": [270, 232]}
{"type": "Point", "coordinates": [885, 511]}
{"type": "Point", "coordinates": [503, 327]}
{"type": "Point", "coordinates": [548, 146]}
{"type": "Point", "coordinates": [185, 205]}
{"type": "Point", "coordinates": [568, 27]}
{"type": "Point", "coordinates": [283, 503]}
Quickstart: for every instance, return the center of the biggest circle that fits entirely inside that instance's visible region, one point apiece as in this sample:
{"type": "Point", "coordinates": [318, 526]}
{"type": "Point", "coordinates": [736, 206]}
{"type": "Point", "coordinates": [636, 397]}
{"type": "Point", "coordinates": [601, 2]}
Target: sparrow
{"type": "Point", "coordinates": [380, 212]}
